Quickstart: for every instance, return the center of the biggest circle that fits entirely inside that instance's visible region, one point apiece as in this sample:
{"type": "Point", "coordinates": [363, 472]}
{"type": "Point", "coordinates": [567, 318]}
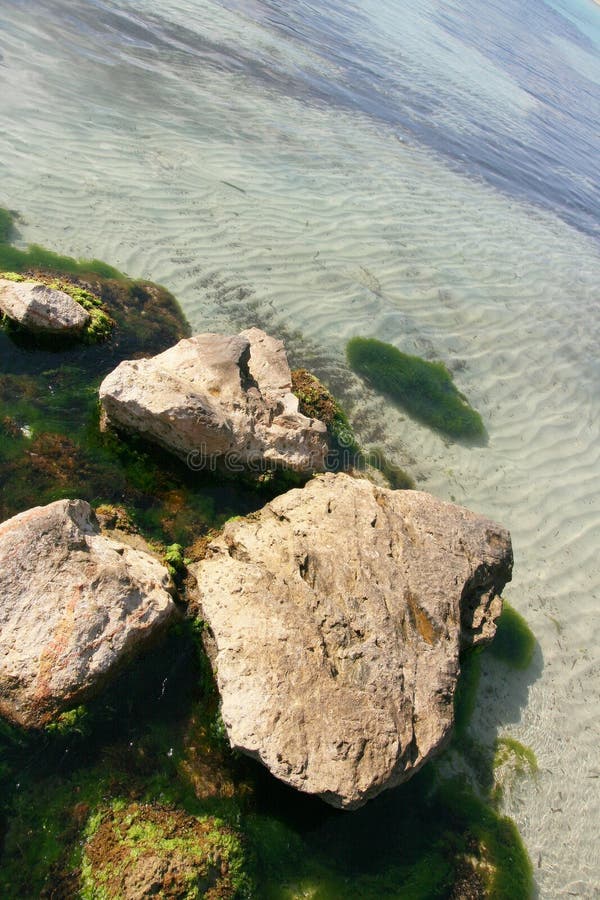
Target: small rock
{"type": "Point", "coordinates": [338, 613]}
{"type": "Point", "coordinates": [73, 605]}
{"type": "Point", "coordinates": [39, 308]}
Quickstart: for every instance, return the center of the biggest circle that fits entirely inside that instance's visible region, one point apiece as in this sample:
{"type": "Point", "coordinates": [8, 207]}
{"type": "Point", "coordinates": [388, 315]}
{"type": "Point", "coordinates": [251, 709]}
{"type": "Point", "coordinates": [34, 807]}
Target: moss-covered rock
{"type": "Point", "coordinates": [424, 389]}
{"type": "Point", "coordinates": [317, 402]}
{"type": "Point", "coordinates": [138, 850]}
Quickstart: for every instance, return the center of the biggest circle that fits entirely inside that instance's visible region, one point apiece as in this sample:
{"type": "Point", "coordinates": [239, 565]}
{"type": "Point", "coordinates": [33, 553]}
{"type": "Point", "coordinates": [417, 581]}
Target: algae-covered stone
{"type": "Point", "coordinates": [73, 605]}
{"type": "Point", "coordinates": [144, 850]}
{"type": "Point", "coordinates": [338, 615]}
{"type": "Point", "coordinates": [40, 308]}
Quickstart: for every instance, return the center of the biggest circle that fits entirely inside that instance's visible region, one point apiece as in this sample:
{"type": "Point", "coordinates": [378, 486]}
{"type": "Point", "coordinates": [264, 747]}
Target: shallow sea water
{"type": "Point", "coordinates": [416, 173]}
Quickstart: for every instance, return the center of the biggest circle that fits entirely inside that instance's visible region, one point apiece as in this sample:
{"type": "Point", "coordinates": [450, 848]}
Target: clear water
{"type": "Point", "coordinates": [421, 172]}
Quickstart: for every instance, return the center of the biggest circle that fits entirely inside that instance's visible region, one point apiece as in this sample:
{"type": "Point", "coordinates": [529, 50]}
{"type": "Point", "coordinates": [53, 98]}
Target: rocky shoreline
{"type": "Point", "coordinates": [336, 615]}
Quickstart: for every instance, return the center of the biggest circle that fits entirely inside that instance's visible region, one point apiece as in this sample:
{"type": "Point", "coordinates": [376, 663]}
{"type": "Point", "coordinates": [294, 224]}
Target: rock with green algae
{"type": "Point", "coordinates": [138, 850]}
{"type": "Point", "coordinates": [40, 308]}
{"type": "Point", "coordinates": [217, 399]}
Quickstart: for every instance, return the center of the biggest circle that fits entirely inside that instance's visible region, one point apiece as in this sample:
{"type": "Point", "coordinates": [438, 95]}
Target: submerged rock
{"type": "Point", "coordinates": [73, 604]}
{"type": "Point", "coordinates": [217, 399]}
{"type": "Point", "coordinates": [40, 308]}
{"type": "Point", "coordinates": [145, 850]}
{"type": "Point", "coordinates": [338, 613]}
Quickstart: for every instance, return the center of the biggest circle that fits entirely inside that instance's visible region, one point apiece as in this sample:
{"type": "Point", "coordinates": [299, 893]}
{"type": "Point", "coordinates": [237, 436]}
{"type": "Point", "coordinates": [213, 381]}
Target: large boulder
{"type": "Point", "coordinates": [40, 308]}
{"type": "Point", "coordinates": [73, 605]}
{"type": "Point", "coordinates": [338, 613]}
{"type": "Point", "coordinates": [217, 399]}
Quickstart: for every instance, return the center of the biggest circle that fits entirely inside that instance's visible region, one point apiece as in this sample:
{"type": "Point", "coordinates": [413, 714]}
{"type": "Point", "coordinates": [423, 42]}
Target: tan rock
{"type": "Point", "coordinates": [338, 613]}
{"type": "Point", "coordinates": [217, 399]}
{"type": "Point", "coordinates": [40, 308]}
{"type": "Point", "coordinates": [73, 605]}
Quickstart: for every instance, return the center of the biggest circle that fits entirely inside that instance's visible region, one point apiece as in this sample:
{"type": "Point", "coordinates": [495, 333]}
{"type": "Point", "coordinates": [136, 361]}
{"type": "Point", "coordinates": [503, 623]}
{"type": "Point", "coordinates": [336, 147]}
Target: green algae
{"type": "Point", "coordinates": [317, 402]}
{"type": "Point", "coordinates": [6, 225]}
{"type": "Point", "coordinates": [522, 758]}
{"type": "Point", "coordinates": [397, 478]}
{"type": "Point", "coordinates": [73, 721]}
{"type": "Point", "coordinates": [465, 696]}
{"type": "Point", "coordinates": [129, 845]}
{"type": "Point", "coordinates": [514, 643]}
{"type": "Point", "coordinates": [424, 389]}
{"type": "Point", "coordinates": [509, 873]}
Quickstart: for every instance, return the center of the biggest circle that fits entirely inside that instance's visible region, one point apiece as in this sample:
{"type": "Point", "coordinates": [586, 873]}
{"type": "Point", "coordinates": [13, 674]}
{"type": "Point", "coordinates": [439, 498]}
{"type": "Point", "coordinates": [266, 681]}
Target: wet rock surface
{"type": "Point", "coordinates": [338, 613]}
{"type": "Point", "coordinates": [74, 604]}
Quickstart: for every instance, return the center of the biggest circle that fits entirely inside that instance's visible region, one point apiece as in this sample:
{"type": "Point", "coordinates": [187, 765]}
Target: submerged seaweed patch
{"type": "Point", "coordinates": [6, 225]}
{"type": "Point", "coordinates": [424, 389]}
{"type": "Point", "coordinates": [514, 643]}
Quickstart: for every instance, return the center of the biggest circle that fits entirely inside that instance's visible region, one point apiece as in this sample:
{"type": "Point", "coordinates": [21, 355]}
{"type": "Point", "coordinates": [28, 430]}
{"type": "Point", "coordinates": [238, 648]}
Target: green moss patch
{"type": "Point", "coordinates": [35, 257]}
{"type": "Point", "coordinates": [397, 478]}
{"type": "Point", "coordinates": [134, 848]}
{"type": "Point", "coordinates": [317, 402]}
{"type": "Point", "coordinates": [514, 643]}
{"type": "Point", "coordinates": [424, 389]}
{"type": "Point", "coordinates": [6, 225]}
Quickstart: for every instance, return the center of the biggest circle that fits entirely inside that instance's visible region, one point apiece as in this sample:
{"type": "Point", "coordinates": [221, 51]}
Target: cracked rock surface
{"type": "Point", "coordinates": [338, 612]}
{"type": "Point", "coordinates": [73, 605]}
{"type": "Point", "coordinates": [40, 308]}
{"type": "Point", "coordinates": [217, 397]}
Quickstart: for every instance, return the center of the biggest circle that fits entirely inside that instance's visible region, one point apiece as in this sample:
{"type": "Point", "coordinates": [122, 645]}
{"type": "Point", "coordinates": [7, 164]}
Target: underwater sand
{"type": "Point", "coordinates": [182, 150]}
